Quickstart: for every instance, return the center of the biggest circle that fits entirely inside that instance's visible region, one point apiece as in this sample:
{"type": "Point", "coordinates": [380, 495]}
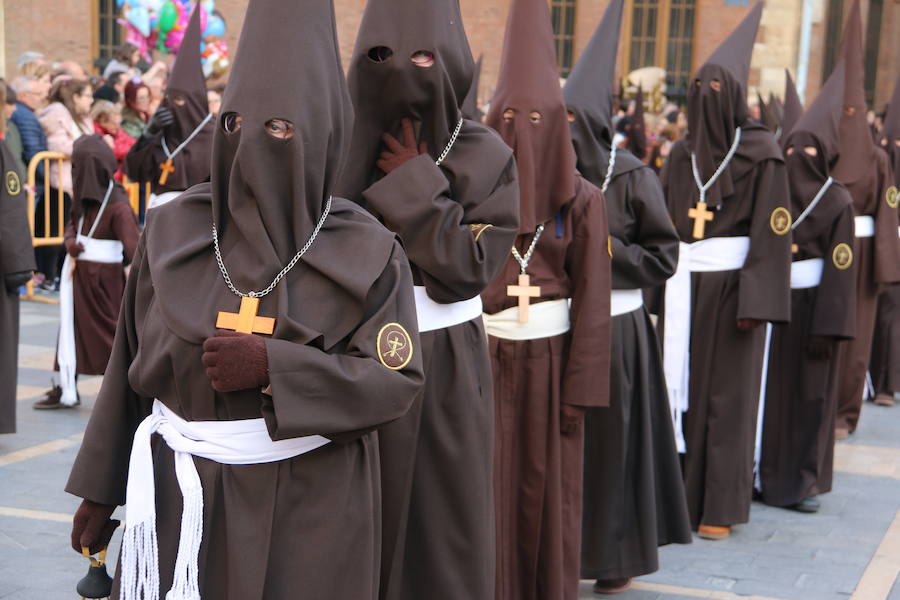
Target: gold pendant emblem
{"type": "Point", "coordinates": [780, 221]}
{"type": "Point", "coordinates": [13, 185]}
{"type": "Point", "coordinates": [842, 257]}
{"type": "Point", "coordinates": [892, 196]}
{"type": "Point", "coordinates": [394, 346]}
{"type": "Point", "coordinates": [479, 228]}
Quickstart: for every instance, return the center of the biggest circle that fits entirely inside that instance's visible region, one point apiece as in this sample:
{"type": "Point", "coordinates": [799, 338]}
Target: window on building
{"type": "Point", "coordinates": [661, 33]}
{"type": "Point", "coordinates": [564, 33]}
{"type": "Point", "coordinates": [107, 32]}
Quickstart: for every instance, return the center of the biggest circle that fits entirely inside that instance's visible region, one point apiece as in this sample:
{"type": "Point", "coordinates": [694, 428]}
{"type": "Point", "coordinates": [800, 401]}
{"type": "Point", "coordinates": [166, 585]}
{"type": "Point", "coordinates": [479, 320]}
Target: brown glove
{"type": "Point", "coordinates": [571, 418]}
{"type": "Point", "coordinates": [820, 347]}
{"type": "Point", "coordinates": [398, 154]}
{"type": "Point", "coordinates": [92, 528]}
{"type": "Point", "coordinates": [236, 361]}
{"type": "Point", "coordinates": [746, 325]}
{"type": "Point", "coordinates": [74, 247]}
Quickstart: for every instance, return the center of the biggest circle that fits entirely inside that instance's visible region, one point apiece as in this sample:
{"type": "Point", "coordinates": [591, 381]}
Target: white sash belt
{"type": "Point", "coordinates": [226, 442]}
{"type": "Point", "coordinates": [100, 251]}
{"type": "Point", "coordinates": [865, 226]}
{"type": "Point", "coordinates": [807, 273]}
{"type": "Point", "coordinates": [546, 319]}
{"type": "Point", "coordinates": [626, 301]}
{"type": "Point", "coordinates": [713, 254]}
{"type": "Point", "coordinates": [433, 315]}
{"type": "Point", "coordinates": [164, 198]}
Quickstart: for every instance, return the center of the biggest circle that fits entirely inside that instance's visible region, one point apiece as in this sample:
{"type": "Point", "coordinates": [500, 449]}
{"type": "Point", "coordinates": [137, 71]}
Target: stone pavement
{"type": "Point", "coordinates": [851, 549]}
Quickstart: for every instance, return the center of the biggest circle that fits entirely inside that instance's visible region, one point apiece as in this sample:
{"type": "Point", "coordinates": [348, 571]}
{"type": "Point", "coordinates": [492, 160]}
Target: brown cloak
{"type": "Point", "coordinates": [16, 256]}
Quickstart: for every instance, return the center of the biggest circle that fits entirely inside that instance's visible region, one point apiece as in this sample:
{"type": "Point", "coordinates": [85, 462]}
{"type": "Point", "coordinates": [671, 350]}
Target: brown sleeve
{"type": "Point", "coordinates": [887, 242]}
{"type": "Point", "coordinates": [142, 164]}
{"type": "Point", "coordinates": [100, 471]}
{"type": "Point", "coordinates": [459, 244]}
{"type": "Point", "coordinates": [649, 257]}
{"type": "Point", "coordinates": [16, 251]}
{"type": "Point", "coordinates": [834, 312]}
{"type": "Point", "coordinates": [345, 394]}
{"type": "Point", "coordinates": [765, 282]}
{"type": "Point", "coordinates": [586, 377]}
{"type": "Point", "coordinates": [125, 228]}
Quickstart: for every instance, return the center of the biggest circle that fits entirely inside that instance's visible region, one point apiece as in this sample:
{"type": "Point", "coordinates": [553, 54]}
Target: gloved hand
{"type": "Point", "coordinates": [398, 154]}
{"type": "Point", "coordinates": [13, 281]}
{"type": "Point", "coordinates": [74, 247]}
{"type": "Point", "coordinates": [91, 527]}
{"type": "Point", "coordinates": [571, 418]}
{"type": "Point", "coordinates": [236, 361]}
{"type": "Point", "coordinates": [820, 347]}
{"type": "Point", "coordinates": [746, 325]}
{"type": "Point", "coordinates": [162, 118]}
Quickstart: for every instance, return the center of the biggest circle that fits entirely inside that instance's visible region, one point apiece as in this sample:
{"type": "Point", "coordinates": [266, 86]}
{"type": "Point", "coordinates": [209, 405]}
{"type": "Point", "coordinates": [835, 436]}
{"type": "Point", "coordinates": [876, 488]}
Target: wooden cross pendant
{"type": "Point", "coordinates": [165, 168]}
{"type": "Point", "coordinates": [246, 320]}
{"type": "Point", "coordinates": [701, 217]}
{"type": "Point", "coordinates": [523, 292]}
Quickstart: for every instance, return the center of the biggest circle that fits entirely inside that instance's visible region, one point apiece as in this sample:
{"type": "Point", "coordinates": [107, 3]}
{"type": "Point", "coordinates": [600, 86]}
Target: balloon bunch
{"type": "Point", "coordinates": [160, 25]}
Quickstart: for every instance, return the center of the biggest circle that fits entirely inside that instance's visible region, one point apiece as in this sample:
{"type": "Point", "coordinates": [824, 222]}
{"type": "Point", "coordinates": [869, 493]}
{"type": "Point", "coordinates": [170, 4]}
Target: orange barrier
{"type": "Point", "coordinates": [134, 193]}
{"type": "Point", "coordinates": [48, 219]}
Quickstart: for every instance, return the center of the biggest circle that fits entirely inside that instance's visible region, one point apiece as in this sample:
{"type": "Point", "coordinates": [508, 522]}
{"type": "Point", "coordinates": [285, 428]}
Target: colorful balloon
{"type": "Point", "coordinates": [168, 17]}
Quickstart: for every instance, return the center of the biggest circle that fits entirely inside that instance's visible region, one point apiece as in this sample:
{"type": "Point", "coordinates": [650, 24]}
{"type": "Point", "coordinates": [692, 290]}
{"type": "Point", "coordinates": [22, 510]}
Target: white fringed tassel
{"type": "Point", "coordinates": [186, 583]}
{"type": "Point", "coordinates": [140, 562]}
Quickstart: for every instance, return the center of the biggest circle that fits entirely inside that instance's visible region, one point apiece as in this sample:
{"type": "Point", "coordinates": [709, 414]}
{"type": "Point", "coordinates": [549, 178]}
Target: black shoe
{"type": "Point", "coordinates": [612, 586]}
{"type": "Point", "coordinates": [52, 398]}
{"type": "Point", "coordinates": [807, 505]}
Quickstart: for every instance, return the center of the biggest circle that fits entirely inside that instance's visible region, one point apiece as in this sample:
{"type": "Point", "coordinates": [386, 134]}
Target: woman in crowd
{"type": "Point", "coordinates": [107, 119]}
{"type": "Point", "coordinates": [64, 120]}
{"type": "Point", "coordinates": [137, 108]}
{"type": "Point", "coordinates": [125, 58]}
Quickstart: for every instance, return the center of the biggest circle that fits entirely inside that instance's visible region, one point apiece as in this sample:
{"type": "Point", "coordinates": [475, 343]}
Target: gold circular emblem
{"type": "Point", "coordinates": [892, 196]}
{"type": "Point", "coordinates": [842, 256]}
{"type": "Point", "coordinates": [13, 186]}
{"type": "Point", "coordinates": [780, 221]}
{"type": "Point", "coordinates": [395, 347]}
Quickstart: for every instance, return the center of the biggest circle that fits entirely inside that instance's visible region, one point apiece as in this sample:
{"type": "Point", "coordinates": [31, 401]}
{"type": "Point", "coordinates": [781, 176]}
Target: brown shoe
{"type": "Point", "coordinates": [841, 433]}
{"type": "Point", "coordinates": [612, 586]}
{"type": "Point", "coordinates": [885, 400]}
{"type": "Point", "coordinates": [51, 400]}
{"type": "Point", "coordinates": [710, 532]}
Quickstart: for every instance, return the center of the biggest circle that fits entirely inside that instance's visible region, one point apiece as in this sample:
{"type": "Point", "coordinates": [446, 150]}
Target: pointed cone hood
{"type": "Point", "coordinates": [529, 113]}
{"type": "Point", "coordinates": [637, 135]}
{"type": "Point", "coordinates": [187, 72]}
{"type": "Point", "coordinates": [470, 107]}
{"type": "Point", "coordinates": [767, 116]}
{"type": "Point", "coordinates": [822, 120]}
{"type": "Point", "coordinates": [734, 53]}
{"type": "Point", "coordinates": [280, 140]}
{"type": "Point", "coordinates": [857, 146]}
{"type": "Point", "coordinates": [891, 129]}
{"type": "Point", "coordinates": [776, 107]}
{"type": "Point", "coordinates": [793, 108]}
{"type": "Point", "coordinates": [386, 86]}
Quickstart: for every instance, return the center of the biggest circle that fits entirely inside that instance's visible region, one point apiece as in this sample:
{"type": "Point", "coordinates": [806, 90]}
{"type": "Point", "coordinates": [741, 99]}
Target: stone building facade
{"type": "Point", "coordinates": [675, 34]}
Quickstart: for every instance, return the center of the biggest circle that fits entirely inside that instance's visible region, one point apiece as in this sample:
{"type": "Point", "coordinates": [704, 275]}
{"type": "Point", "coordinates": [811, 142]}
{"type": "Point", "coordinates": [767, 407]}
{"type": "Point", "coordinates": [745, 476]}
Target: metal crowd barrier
{"type": "Point", "coordinates": [48, 219]}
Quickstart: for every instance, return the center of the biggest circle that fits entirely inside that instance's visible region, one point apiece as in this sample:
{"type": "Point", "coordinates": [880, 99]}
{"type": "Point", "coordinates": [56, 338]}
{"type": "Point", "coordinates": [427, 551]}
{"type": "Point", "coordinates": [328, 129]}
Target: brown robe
{"type": "Point", "coordinates": [16, 256]}
{"type": "Point", "coordinates": [726, 363]}
{"type": "Point", "coordinates": [634, 498]}
{"type": "Point", "coordinates": [283, 530]}
{"type": "Point", "coordinates": [436, 461]}
{"type": "Point", "coordinates": [885, 364]}
{"type": "Point", "coordinates": [98, 287]}
{"type": "Point", "coordinates": [538, 469]}
{"type": "Point", "coordinates": [798, 431]}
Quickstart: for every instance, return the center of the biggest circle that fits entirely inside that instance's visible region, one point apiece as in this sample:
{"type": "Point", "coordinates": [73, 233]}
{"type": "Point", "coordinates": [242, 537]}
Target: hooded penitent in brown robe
{"type": "Point", "coordinates": [719, 379]}
{"type": "Point", "coordinates": [866, 172]}
{"type": "Point", "coordinates": [885, 363]}
{"type": "Point", "coordinates": [798, 428]}
{"type": "Point", "coordinates": [470, 107]}
{"type": "Point", "coordinates": [186, 99]}
{"type": "Point", "coordinates": [633, 491]}
{"type": "Point", "coordinates": [547, 370]}
{"type": "Point", "coordinates": [16, 264]}
{"type": "Point", "coordinates": [457, 221]}
{"type": "Point", "coordinates": [343, 359]}
{"type": "Point", "coordinates": [98, 287]}
{"type": "Point", "coordinates": [793, 108]}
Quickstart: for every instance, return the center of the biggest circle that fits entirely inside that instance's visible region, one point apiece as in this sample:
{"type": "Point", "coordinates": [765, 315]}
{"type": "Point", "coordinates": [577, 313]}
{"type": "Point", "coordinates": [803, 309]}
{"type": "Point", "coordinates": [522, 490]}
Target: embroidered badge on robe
{"type": "Point", "coordinates": [780, 221]}
{"type": "Point", "coordinates": [479, 228]}
{"type": "Point", "coordinates": [842, 256]}
{"type": "Point", "coordinates": [395, 347]}
{"type": "Point", "coordinates": [892, 196]}
{"type": "Point", "coordinates": [14, 186]}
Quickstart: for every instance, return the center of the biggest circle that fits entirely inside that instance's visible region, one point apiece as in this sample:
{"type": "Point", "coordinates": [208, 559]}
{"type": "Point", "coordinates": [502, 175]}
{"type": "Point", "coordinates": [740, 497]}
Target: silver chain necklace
{"type": "Point", "coordinates": [283, 272]}
{"type": "Point", "coordinates": [450, 143]}
{"type": "Point", "coordinates": [704, 187]}
{"type": "Point", "coordinates": [524, 260]}
{"type": "Point", "coordinates": [610, 168]}
{"type": "Point", "coordinates": [181, 146]}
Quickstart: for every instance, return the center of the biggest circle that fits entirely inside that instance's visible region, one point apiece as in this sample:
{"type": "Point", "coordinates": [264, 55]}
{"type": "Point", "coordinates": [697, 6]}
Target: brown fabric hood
{"type": "Point", "coordinates": [93, 167]}
{"type": "Point", "coordinates": [470, 108]}
{"type": "Point", "coordinates": [386, 86]}
{"type": "Point", "coordinates": [529, 85]}
{"type": "Point", "coordinates": [890, 134]}
{"type": "Point", "coordinates": [793, 108]}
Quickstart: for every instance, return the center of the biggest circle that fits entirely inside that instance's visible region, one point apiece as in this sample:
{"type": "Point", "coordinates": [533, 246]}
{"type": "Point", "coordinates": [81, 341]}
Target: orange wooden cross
{"type": "Point", "coordinates": [701, 217]}
{"type": "Point", "coordinates": [246, 320]}
{"type": "Point", "coordinates": [523, 292]}
{"type": "Point", "coordinates": [166, 169]}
